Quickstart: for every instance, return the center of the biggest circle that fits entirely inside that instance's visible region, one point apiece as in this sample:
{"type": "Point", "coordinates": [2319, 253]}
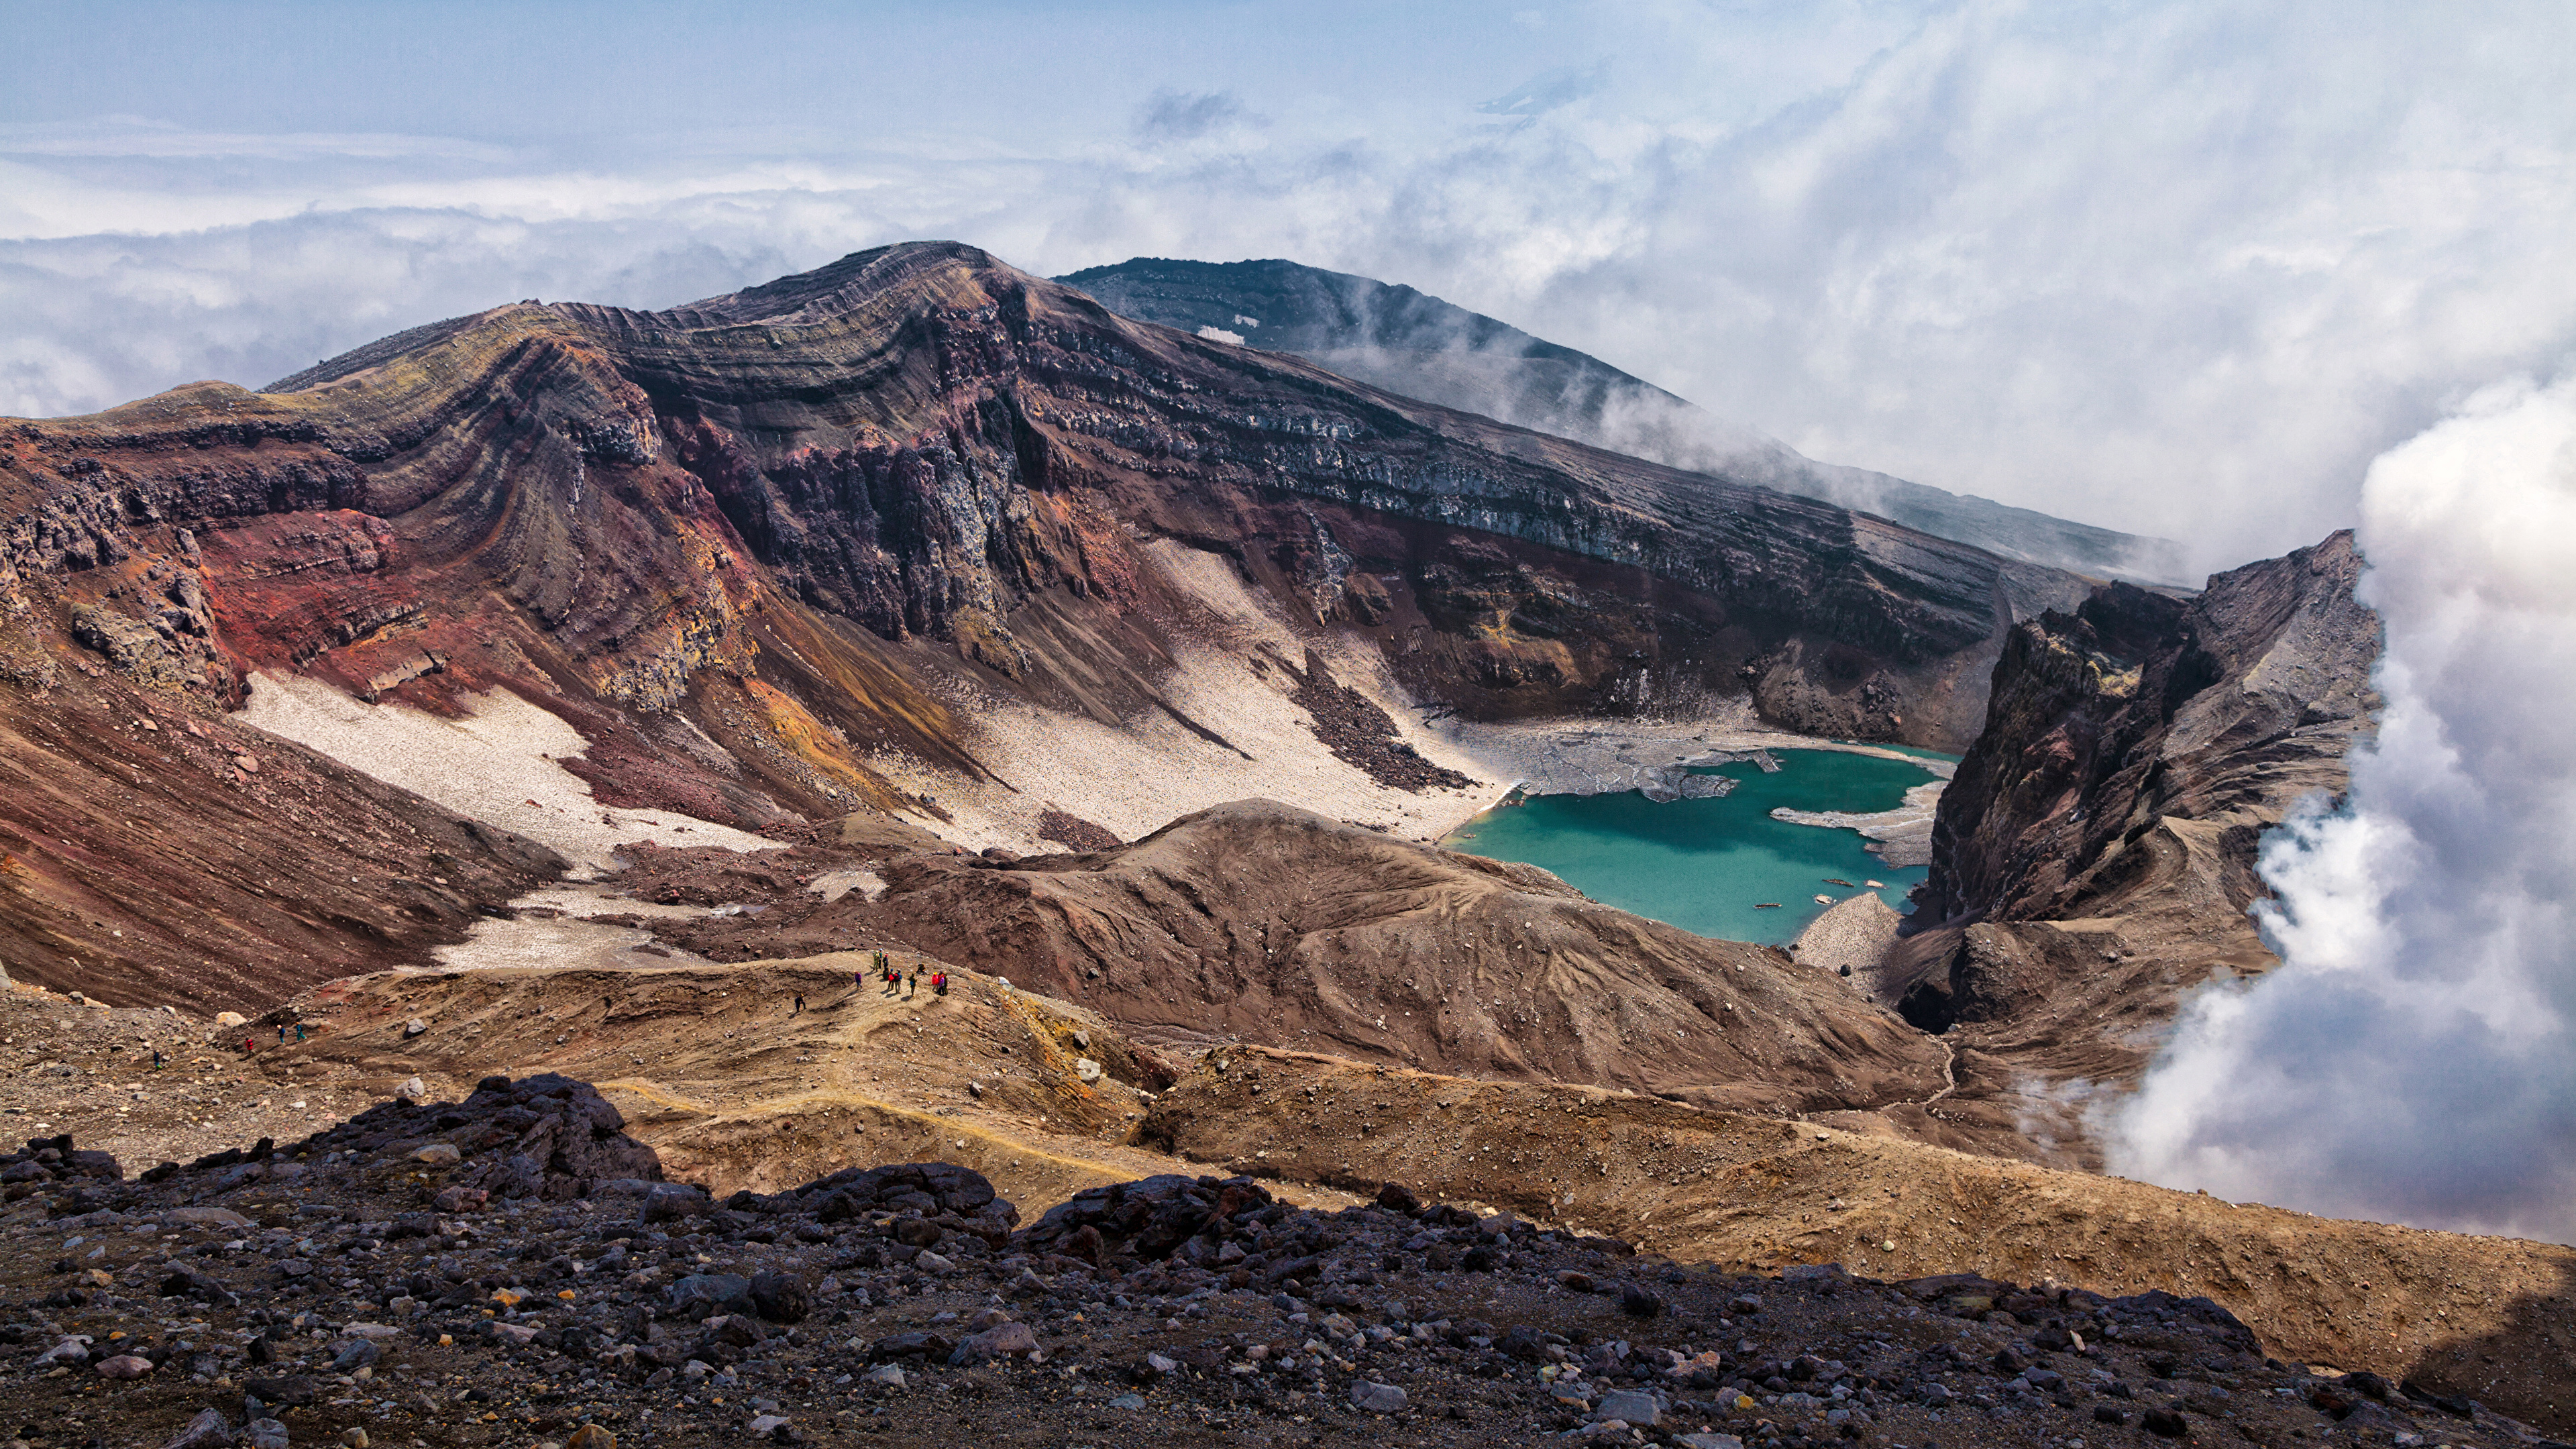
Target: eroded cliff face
{"type": "Point", "coordinates": [766, 549]}
{"type": "Point", "coordinates": [919, 442]}
{"type": "Point", "coordinates": [2139, 712]}
{"type": "Point", "coordinates": [2094, 858]}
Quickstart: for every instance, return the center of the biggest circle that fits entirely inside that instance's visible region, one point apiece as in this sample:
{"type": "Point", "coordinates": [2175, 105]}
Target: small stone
{"type": "Point", "coordinates": [439, 1154]}
{"type": "Point", "coordinates": [415, 1027]}
{"type": "Point", "coordinates": [1127, 1401]}
{"type": "Point", "coordinates": [264, 1434]}
{"type": "Point", "coordinates": [930, 1262]}
{"type": "Point", "coordinates": [766, 1425]}
{"type": "Point", "coordinates": [209, 1430]}
{"type": "Point", "coordinates": [359, 1354]}
{"type": "Point", "coordinates": [667, 1200]}
{"type": "Point", "coordinates": [1376, 1398]}
{"type": "Point", "coordinates": [354, 1437]}
{"type": "Point", "coordinates": [1006, 1340]}
{"type": "Point", "coordinates": [591, 1436]}
{"type": "Point", "coordinates": [1708, 1441]}
{"type": "Point", "coordinates": [2166, 1423]}
{"type": "Point", "coordinates": [1087, 1069]}
{"type": "Point", "coordinates": [781, 1297]}
{"type": "Point", "coordinates": [413, 1089]}
{"type": "Point", "coordinates": [1637, 1302]}
{"type": "Point", "coordinates": [1635, 1407]}
{"type": "Point", "coordinates": [293, 1391]}
{"type": "Point", "coordinates": [1161, 1364]}
{"type": "Point", "coordinates": [124, 1366]}
{"type": "Point", "coordinates": [883, 1376]}
{"type": "Point", "coordinates": [515, 1334]}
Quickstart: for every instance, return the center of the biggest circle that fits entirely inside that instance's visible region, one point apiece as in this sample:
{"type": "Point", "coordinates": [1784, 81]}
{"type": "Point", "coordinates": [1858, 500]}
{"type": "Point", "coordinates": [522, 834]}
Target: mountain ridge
{"type": "Point", "coordinates": [1404, 340]}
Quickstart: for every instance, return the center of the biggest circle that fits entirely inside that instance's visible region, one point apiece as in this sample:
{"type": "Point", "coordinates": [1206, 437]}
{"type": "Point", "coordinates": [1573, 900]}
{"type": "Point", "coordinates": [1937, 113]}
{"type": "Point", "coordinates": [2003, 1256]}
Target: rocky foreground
{"type": "Point", "coordinates": [511, 1269]}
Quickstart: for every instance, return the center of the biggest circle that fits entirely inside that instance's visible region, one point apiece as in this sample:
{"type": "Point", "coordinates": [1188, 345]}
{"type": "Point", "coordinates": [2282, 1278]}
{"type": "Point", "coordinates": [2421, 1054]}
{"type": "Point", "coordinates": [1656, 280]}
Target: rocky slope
{"type": "Point", "coordinates": [2094, 856]}
{"type": "Point", "coordinates": [895, 1305]}
{"type": "Point", "coordinates": [2140, 712]}
{"type": "Point", "coordinates": [859, 537]}
{"type": "Point", "coordinates": [153, 851]}
{"type": "Point", "coordinates": [1396, 338]}
{"type": "Point", "coordinates": [413, 1218]}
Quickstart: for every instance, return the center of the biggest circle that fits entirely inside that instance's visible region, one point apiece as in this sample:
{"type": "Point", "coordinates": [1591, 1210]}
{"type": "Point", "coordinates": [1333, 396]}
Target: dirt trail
{"type": "Point", "coordinates": [717, 1069]}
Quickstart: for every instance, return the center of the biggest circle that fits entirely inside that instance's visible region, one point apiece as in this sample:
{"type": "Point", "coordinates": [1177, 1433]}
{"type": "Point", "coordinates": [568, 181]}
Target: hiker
{"type": "Point", "coordinates": [939, 983]}
{"type": "Point", "coordinates": [912, 987]}
{"type": "Point", "coordinates": [156, 1059]}
{"type": "Point", "coordinates": [299, 1031]}
{"type": "Point", "coordinates": [281, 1033]}
{"type": "Point", "coordinates": [799, 1008]}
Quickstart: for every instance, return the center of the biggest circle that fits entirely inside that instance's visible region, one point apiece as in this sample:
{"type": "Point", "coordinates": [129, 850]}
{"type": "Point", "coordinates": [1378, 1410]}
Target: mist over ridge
{"type": "Point", "coordinates": [1395, 337]}
{"type": "Point", "coordinates": [2414, 1057]}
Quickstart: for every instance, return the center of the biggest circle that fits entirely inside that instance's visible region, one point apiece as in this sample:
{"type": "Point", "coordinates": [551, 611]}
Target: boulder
{"type": "Point", "coordinates": [1002, 1340]}
{"type": "Point", "coordinates": [703, 1295]}
{"type": "Point", "coordinates": [1377, 1398]}
{"type": "Point", "coordinates": [781, 1297]}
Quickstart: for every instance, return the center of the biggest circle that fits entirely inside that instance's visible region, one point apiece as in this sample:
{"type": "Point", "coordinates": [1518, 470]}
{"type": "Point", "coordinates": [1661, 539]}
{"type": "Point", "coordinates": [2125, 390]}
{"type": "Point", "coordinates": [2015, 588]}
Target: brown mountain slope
{"type": "Point", "coordinates": [152, 851]}
{"type": "Point", "coordinates": [1256, 921]}
{"type": "Point", "coordinates": [789, 553]}
{"type": "Point", "coordinates": [1265, 923]}
{"type": "Point", "coordinates": [2485, 1318]}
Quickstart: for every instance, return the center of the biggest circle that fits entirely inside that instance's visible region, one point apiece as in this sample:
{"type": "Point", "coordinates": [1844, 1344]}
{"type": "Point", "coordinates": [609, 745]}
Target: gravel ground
{"type": "Point", "coordinates": [506, 1270]}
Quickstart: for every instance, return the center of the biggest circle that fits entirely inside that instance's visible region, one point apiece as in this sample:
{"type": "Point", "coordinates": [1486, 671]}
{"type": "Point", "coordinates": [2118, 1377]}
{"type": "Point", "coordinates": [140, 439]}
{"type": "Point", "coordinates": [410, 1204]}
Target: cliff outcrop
{"type": "Point", "coordinates": [2095, 857]}
{"type": "Point", "coordinates": [2140, 711]}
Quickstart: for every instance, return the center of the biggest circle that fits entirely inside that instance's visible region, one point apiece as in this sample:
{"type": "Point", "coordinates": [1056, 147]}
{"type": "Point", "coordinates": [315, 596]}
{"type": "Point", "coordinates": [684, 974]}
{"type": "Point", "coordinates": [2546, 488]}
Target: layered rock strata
{"type": "Point", "coordinates": [2095, 856]}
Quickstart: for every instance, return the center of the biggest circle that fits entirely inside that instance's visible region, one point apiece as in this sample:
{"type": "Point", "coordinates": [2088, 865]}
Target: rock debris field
{"type": "Point", "coordinates": [512, 1270]}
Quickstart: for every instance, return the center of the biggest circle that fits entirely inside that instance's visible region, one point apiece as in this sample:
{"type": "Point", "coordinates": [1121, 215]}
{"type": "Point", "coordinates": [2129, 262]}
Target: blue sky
{"type": "Point", "coordinates": [2182, 268]}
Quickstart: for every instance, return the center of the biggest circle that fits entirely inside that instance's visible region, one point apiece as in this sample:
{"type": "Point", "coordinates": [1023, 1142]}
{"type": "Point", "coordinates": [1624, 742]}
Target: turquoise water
{"type": "Point", "coordinates": [1702, 865]}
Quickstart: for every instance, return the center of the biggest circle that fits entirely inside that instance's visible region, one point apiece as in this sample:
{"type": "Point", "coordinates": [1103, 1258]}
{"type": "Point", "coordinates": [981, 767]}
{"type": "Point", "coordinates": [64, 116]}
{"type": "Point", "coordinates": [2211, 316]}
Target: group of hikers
{"type": "Point", "coordinates": [895, 981]}
{"type": "Point", "coordinates": [249, 1046]}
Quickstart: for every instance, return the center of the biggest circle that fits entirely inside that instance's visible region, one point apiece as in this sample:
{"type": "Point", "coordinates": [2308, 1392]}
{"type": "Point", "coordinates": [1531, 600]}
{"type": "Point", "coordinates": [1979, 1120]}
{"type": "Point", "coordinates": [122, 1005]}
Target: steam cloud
{"type": "Point", "coordinates": [2414, 1058]}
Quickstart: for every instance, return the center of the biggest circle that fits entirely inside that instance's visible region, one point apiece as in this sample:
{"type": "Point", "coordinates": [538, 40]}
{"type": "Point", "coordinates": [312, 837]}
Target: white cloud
{"type": "Point", "coordinates": [2414, 1058]}
{"type": "Point", "coordinates": [2181, 268]}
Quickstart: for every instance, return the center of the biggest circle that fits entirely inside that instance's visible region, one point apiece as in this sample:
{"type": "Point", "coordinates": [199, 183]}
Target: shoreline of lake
{"type": "Point", "coordinates": [1754, 863]}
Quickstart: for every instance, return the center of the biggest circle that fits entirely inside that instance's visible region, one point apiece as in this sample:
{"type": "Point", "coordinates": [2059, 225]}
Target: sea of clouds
{"type": "Point", "coordinates": [2178, 268]}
